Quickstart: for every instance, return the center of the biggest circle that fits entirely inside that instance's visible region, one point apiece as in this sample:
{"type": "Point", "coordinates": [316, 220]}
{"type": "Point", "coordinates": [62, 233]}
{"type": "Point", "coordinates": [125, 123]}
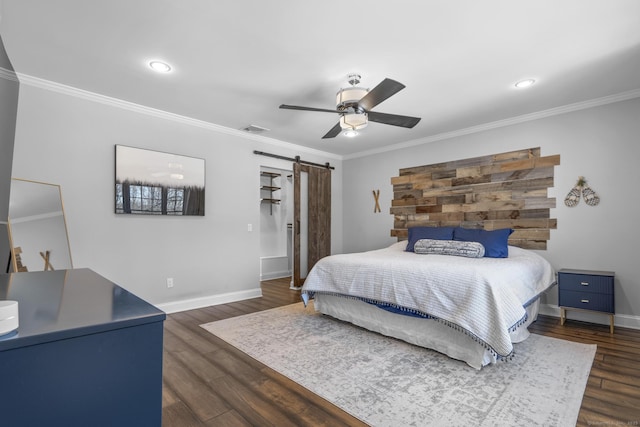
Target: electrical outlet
{"type": "Point", "coordinates": [249, 227]}
{"type": "Point", "coordinates": [169, 282]}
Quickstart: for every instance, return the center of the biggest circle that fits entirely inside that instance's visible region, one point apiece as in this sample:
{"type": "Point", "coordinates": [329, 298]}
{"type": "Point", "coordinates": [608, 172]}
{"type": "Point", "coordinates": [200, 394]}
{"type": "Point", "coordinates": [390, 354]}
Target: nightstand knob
{"type": "Point", "coordinates": [584, 283]}
{"type": "Point", "coordinates": [584, 300]}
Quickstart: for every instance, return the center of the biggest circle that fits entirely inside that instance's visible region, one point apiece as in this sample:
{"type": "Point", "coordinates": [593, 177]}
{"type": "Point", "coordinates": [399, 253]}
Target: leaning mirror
{"type": "Point", "coordinates": [37, 227]}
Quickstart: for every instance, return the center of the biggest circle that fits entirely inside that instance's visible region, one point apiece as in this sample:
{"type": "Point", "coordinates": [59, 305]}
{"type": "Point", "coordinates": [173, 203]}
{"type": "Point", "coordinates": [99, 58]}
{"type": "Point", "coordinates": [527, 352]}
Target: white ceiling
{"type": "Point", "coordinates": [236, 61]}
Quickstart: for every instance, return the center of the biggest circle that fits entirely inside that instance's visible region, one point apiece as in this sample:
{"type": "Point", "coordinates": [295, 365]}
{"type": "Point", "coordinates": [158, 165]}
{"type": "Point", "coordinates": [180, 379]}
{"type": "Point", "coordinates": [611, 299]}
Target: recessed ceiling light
{"type": "Point", "coordinates": [159, 66]}
{"type": "Point", "coordinates": [524, 83]}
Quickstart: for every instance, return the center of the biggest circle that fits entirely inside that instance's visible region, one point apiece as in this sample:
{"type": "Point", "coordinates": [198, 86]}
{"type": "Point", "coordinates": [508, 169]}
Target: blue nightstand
{"type": "Point", "coordinates": [586, 290]}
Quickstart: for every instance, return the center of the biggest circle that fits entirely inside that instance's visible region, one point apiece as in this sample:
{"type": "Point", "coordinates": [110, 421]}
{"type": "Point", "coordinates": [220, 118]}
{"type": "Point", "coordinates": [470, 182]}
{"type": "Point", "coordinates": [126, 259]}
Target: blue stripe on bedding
{"type": "Point", "coordinates": [396, 310]}
{"type": "Point", "coordinates": [306, 296]}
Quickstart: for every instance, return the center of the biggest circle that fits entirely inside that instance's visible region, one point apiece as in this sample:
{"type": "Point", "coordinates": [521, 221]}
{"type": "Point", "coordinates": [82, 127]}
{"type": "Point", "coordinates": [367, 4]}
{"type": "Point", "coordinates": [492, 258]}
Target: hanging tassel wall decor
{"type": "Point", "coordinates": [573, 197]}
{"type": "Point", "coordinates": [590, 197]}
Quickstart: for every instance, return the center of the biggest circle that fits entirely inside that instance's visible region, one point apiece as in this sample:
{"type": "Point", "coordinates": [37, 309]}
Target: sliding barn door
{"type": "Point", "coordinates": [311, 218]}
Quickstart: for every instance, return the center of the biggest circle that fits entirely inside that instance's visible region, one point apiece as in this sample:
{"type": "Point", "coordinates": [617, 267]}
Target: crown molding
{"type": "Point", "coordinates": [8, 74]}
{"type": "Point", "coordinates": [130, 106]}
{"type": "Point", "coordinates": [137, 108]}
{"type": "Point", "coordinates": [583, 105]}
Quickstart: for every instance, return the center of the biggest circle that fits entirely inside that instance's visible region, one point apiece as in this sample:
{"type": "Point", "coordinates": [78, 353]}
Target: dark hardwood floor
{"type": "Point", "coordinates": [207, 382]}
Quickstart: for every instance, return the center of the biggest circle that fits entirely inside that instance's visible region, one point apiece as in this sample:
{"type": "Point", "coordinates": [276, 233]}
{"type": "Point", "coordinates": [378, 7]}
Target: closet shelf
{"type": "Point", "coordinates": [270, 174]}
{"type": "Point", "coordinates": [271, 189]}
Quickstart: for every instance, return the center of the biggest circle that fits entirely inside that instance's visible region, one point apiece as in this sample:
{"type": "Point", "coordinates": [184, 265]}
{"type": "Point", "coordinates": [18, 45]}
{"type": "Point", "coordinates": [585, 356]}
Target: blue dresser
{"type": "Point", "coordinates": [87, 353]}
{"type": "Point", "coordinates": [586, 290]}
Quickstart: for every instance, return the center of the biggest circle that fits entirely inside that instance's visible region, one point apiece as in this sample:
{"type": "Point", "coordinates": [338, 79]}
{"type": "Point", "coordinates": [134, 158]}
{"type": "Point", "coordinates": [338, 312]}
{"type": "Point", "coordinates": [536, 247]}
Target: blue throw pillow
{"type": "Point", "coordinates": [494, 241]}
{"type": "Point", "coordinates": [435, 233]}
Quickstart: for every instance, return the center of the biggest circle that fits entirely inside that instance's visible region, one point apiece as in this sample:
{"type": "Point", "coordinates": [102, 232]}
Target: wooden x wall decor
{"type": "Point", "coordinates": [376, 197]}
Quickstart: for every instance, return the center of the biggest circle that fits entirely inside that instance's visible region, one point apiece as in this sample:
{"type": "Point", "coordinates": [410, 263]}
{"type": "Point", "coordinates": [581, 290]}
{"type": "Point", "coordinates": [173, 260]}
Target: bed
{"type": "Point", "coordinates": [470, 308]}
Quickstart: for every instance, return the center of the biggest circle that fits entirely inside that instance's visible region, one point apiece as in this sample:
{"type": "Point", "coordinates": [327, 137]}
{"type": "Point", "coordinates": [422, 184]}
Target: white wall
{"type": "Point", "coordinates": [601, 143]}
{"type": "Point", "coordinates": [69, 140]}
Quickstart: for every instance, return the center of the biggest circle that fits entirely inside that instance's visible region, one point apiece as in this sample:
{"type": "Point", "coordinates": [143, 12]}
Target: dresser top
{"type": "Point", "coordinates": [55, 305]}
{"type": "Point", "coordinates": [587, 272]}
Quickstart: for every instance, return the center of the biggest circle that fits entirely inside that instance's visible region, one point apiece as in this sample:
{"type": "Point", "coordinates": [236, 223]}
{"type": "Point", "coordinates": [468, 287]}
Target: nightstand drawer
{"type": "Point", "coordinates": [587, 301]}
{"type": "Point", "coordinates": [585, 283]}
{"type": "Point", "coordinates": [586, 290]}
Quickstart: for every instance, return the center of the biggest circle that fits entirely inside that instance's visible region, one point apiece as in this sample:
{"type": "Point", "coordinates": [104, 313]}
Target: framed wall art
{"type": "Point", "coordinates": [156, 183]}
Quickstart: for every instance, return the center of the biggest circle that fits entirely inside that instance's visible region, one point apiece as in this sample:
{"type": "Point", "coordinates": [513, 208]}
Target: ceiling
{"type": "Point", "coordinates": [235, 61]}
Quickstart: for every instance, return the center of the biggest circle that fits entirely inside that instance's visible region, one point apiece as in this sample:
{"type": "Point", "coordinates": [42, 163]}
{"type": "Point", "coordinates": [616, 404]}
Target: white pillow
{"type": "Point", "coordinates": [449, 247]}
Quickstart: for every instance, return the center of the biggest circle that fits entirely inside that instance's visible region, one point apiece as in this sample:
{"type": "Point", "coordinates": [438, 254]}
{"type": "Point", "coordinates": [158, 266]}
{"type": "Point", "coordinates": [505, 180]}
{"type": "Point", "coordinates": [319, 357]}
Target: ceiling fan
{"type": "Point", "coordinates": [354, 105]}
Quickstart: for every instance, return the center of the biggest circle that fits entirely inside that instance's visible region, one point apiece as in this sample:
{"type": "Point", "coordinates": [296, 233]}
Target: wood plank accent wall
{"type": "Point", "coordinates": [506, 190]}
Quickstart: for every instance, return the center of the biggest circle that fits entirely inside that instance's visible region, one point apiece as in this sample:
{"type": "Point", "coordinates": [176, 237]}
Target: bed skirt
{"type": "Point", "coordinates": [428, 333]}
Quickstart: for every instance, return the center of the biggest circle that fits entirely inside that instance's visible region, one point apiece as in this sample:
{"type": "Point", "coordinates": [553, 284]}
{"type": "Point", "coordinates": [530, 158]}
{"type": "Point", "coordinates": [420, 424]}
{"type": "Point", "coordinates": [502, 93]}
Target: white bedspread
{"type": "Point", "coordinates": [485, 297]}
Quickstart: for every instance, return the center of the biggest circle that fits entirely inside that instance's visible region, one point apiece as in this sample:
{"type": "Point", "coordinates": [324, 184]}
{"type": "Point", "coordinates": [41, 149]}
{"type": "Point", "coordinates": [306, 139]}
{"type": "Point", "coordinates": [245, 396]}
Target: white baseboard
{"type": "Point", "coordinates": [275, 275]}
{"type": "Point", "coordinates": [622, 320]}
{"type": "Point", "coordinates": [192, 304]}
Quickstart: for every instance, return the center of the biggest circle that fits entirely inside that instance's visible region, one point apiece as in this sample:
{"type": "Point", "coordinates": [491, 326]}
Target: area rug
{"type": "Point", "coordinates": [386, 382]}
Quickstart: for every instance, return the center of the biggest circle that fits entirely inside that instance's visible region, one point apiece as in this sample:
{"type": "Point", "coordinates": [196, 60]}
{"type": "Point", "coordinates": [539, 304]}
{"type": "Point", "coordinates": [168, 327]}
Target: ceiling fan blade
{"type": "Point", "coordinates": [296, 107]}
{"type": "Point", "coordinates": [393, 119]}
{"type": "Point", "coordinates": [384, 90]}
{"type": "Point", "coordinates": [335, 131]}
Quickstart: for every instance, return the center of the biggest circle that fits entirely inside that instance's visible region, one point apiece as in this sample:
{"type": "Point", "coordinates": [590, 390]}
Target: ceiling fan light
{"type": "Point", "coordinates": [354, 121]}
{"type": "Point", "coordinates": [350, 133]}
{"type": "Point", "coordinates": [349, 95]}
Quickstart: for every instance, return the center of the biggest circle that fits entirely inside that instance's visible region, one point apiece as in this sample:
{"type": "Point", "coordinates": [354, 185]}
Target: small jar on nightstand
{"type": "Point", "coordinates": [586, 290]}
